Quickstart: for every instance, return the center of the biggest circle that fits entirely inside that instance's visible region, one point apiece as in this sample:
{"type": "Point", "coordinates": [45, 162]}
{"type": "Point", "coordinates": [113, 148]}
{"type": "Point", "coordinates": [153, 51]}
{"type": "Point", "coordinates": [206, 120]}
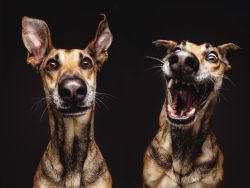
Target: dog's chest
{"type": "Point", "coordinates": [181, 167]}
{"type": "Point", "coordinates": [73, 180]}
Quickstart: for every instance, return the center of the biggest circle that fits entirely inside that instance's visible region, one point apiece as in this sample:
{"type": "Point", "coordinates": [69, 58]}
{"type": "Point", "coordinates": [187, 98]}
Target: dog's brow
{"type": "Point", "coordinates": [184, 43]}
{"type": "Point", "coordinates": [207, 45]}
{"type": "Point", "coordinates": [56, 57]}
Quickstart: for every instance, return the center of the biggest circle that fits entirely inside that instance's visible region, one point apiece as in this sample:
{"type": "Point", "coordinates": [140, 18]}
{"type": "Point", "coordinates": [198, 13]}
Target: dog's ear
{"type": "Point", "coordinates": [169, 44]}
{"type": "Point", "coordinates": [224, 49]}
{"type": "Point", "coordinates": [36, 38]}
{"type": "Point", "coordinates": [98, 47]}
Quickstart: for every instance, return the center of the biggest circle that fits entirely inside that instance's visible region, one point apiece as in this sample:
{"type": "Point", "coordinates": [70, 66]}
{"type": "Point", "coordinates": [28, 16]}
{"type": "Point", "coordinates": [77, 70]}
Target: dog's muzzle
{"type": "Point", "coordinates": [186, 97]}
{"type": "Point", "coordinates": [72, 93]}
{"type": "Point", "coordinates": [72, 89]}
{"type": "Point", "coordinates": [183, 64]}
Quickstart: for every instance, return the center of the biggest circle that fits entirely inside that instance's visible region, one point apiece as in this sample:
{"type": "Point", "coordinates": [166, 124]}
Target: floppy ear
{"type": "Point", "coordinates": [36, 38]}
{"type": "Point", "coordinates": [98, 47]}
{"type": "Point", "coordinates": [169, 44]}
{"type": "Point", "coordinates": [224, 49]}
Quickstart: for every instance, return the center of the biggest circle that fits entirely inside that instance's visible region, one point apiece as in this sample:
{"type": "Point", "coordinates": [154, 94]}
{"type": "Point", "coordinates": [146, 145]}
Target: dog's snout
{"type": "Point", "coordinates": [72, 90]}
{"type": "Point", "coordinates": [183, 63]}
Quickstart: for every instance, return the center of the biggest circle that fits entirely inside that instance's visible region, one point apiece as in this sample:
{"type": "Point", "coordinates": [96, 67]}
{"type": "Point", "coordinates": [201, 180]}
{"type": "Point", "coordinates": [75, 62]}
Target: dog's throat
{"type": "Point", "coordinates": [71, 140]}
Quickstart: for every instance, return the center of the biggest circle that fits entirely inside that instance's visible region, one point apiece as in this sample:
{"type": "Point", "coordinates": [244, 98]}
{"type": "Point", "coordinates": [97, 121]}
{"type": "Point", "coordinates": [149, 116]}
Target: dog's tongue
{"type": "Point", "coordinates": [183, 101]}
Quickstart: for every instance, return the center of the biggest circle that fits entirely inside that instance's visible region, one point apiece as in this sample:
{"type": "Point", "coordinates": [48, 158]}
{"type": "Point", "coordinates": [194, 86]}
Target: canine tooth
{"type": "Point", "coordinates": [191, 112]}
{"type": "Point", "coordinates": [170, 83]}
{"type": "Point", "coordinates": [188, 84]}
{"type": "Point", "coordinates": [183, 82]}
{"type": "Point", "coordinates": [176, 81]}
{"type": "Point", "coordinates": [169, 108]}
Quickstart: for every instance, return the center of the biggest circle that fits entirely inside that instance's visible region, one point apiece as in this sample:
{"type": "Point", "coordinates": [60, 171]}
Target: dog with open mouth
{"type": "Point", "coordinates": [184, 152]}
{"type": "Point", "coordinates": [72, 158]}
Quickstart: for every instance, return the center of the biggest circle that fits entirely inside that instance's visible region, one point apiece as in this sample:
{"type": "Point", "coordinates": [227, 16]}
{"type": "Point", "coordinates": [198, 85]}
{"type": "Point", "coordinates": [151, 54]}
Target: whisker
{"type": "Point", "coordinates": [152, 68]}
{"type": "Point", "coordinates": [37, 103]}
{"type": "Point", "coordinates": [101, 102]}
{"type": "Point", "coordinates": [108, 96]}
{"type": "Point", "coordinates": [46, 107]}
{"type": "Point", "coordinates": [154, 58]}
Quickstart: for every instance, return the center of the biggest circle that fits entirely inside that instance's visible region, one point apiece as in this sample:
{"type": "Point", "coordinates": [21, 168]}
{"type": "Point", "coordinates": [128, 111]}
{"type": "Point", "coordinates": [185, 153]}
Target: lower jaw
{"type": "Point", "coordinates": [73, 113]}
{"type": "Point", "coordinates": [181, 122]}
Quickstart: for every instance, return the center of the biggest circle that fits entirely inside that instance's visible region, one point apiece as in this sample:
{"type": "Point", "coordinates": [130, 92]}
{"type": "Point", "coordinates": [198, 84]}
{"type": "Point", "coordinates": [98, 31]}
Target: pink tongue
{"type": "Point", "coordinates": [185, 100]}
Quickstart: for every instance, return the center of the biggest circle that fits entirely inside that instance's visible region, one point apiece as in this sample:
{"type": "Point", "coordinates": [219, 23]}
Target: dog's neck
{"type": "Point", "coordinates": [70, 138]}
{"type": "Point", "coordinates": [186, 143]}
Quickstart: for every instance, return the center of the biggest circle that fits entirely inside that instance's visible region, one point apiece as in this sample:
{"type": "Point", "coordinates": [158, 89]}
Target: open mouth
{"type": "Point", "coordinates": [186, 99]}
{"type": "Point", "coordinates": [74, 110]}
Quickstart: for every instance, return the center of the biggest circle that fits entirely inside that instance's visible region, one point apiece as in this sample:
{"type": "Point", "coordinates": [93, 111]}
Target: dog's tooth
{"type": "Point", "coordinates": [170, 83]}
{"type": "Point", "coordinates": [191, 112]}
{"type": "Point", "coordinates": [183, 82]}
{"type": "Point", "coordinates": [176, 81]}
{"type": "Point", "coordinates": [188, 84]}
{"type": "Point", "coordinates": [169, 108]}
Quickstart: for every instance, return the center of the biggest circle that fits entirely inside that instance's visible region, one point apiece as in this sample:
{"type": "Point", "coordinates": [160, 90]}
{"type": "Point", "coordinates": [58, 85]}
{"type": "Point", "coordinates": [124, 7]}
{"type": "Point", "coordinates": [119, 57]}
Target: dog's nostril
{"type": "Point", "coordinates": [173, 59]}
{"type": "Point", "coordinates": [193, 63]}
{"type": "Point", "coordinates": [65, 93]}
{"type": "Point", "coordinates": [80, 91]}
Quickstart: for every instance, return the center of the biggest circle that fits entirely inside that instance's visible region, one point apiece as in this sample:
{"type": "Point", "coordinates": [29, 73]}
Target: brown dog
{"type": "Point", "coordinates": [184, 153]}
{"type": "Point", "coordinates": [72, 158]}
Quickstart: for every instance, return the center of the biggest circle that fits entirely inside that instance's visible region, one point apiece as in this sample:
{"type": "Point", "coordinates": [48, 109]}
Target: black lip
{"type": "Point", "coordinates": [74, 110]}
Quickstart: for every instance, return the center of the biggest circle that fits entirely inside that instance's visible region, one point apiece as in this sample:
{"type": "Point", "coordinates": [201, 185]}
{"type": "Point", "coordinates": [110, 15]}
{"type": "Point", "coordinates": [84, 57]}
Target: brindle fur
{"type": "Point", "coordinates": [187, 156]}
{"type": "Point", "coordinates": [72, 158]}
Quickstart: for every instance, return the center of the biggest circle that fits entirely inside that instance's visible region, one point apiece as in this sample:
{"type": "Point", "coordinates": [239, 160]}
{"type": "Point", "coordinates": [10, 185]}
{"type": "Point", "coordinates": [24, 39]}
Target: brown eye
{"type": "Point", "coordinates": [85, 62]}
{"type": "Point", "coordinates": [212, 57]}
{"type": "Point", "coordinates": [52, 65]}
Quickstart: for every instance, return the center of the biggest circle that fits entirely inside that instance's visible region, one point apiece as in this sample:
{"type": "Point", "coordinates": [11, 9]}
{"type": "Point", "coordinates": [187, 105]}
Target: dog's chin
{"type": "Point", "coordinates": [74, 111]}
{"type": "Point", "coordinates": [186, 99]}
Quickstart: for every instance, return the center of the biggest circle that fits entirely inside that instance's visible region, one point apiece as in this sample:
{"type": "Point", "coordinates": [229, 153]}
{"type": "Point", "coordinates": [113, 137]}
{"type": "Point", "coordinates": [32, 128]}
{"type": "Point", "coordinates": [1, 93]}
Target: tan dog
{"type": "Point", "coordinates": [72, 158]}
{"type": "Point", "coordinates": [184, 153]}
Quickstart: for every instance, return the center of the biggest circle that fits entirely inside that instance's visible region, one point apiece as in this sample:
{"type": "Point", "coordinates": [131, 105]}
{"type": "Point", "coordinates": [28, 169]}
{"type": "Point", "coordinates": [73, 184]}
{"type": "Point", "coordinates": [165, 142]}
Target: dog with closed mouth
{"type": "Point", "coordinates": [184, 152]}
{"type": "Point", "coordinates": [72, 158]}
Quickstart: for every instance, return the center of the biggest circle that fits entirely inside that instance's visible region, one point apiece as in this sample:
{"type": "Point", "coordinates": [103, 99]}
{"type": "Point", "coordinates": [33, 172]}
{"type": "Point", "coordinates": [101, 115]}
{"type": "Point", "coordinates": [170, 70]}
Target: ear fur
{"type": "Point", "coordinates": [224, 49]}
{"type": "Point", "coordinates": [36, 38]}
{"type": "Point", "coordinates": [98, 47]}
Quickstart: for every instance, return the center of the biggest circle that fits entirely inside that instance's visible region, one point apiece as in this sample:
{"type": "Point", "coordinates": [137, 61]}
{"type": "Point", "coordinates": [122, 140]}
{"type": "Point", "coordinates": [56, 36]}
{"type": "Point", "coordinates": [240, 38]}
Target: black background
{"type": "Point", "coordinates": [124, 131]}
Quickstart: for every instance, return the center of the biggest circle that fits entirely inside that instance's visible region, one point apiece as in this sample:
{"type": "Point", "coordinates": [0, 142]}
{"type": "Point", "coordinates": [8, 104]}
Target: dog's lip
{"type": "Point", "coordinates": [74, 110]}
{"type": "Point", "coordinates": [186, 119]}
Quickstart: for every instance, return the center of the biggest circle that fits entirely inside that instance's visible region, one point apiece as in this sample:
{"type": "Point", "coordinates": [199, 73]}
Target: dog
{"type": "Point", "coordinates": [72, 158]}
{"type": "Point", "coordinates": [184, 152]}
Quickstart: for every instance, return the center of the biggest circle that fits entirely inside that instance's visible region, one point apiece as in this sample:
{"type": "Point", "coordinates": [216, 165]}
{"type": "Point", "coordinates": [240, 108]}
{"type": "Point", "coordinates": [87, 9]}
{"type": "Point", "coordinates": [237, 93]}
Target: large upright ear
{"type": "Point", "coordinates": [98, 47]}
{"type": "Point", "coordinates": [36, 38]}
{"type": "Point", "coordinates": [224, 49]}
{"type": "Point", "coordinates": [169, 44]}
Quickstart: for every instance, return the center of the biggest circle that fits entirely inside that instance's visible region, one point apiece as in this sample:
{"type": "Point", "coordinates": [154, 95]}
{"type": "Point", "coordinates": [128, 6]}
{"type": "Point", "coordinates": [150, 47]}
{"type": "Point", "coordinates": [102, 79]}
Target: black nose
{"type": "Point", "coordinates": [183, 63]}
{"type": "Point", "coordinates": [72, 89]}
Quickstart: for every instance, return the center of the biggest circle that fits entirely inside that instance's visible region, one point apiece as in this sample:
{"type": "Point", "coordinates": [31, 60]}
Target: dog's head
{"type": "Point", "coordinates": [69, 76]}
{"type": "Point", "coordinates": [194, 74]}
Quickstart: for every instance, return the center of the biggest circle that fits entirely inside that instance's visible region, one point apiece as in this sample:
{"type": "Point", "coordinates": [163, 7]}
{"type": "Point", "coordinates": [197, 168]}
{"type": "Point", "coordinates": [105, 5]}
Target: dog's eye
{"type": "Point", "coordinates": [51, 65]}
{"type": "Point", "coordinates": [212, 57]}
{"type": "Point", "coordinates": [177, 50]}
{"type": "Point", "coordinates": [85, 63]}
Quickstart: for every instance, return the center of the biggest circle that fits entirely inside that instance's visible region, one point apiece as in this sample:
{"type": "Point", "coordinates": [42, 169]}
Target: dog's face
{"type": "Point", "coordinates": [69, 76]}
{"type": "Point", "coordinates": [194, 74]}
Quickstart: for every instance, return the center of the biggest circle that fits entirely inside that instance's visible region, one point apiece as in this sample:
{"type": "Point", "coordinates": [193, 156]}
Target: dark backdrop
{"type": "Point", "coordinates": [124, 130]}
